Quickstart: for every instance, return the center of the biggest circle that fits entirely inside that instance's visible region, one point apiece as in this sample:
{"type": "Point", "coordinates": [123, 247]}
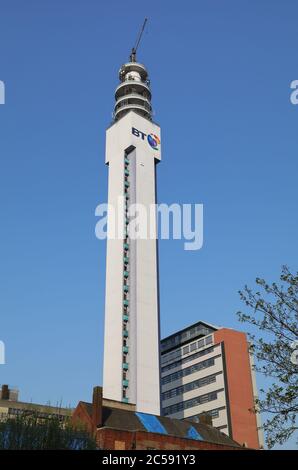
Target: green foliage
{"type": "Point", "coordinates": [29, 432]}
{"type": "Point", "coordinates": [275, 312]}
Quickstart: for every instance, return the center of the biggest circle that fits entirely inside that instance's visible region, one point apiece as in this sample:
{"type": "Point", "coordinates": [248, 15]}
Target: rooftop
{"type": "Point", "coordinates": [191, 332]}
{"type": "Point", "coordinates": [125, 420]}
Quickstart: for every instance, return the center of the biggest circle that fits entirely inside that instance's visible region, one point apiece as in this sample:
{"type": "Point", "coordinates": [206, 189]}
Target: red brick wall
{"type": "Point", "coordinates": [110, 439]}
{"type": "Point", "coordinates": [240, 389]}
{"type": "Point", "coordinates": [80, 417]}
{"type": "Point", "coordinates": [106, 438]}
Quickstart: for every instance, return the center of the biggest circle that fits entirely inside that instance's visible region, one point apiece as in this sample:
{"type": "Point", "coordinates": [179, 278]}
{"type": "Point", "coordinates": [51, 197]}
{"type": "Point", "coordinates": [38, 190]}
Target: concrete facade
{"type": "Point", "coordinates": [131, 348]}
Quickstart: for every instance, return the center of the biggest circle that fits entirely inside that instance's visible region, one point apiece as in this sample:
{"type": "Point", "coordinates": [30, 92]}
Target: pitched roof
{"type": "Point", "coordinates": [133, 421]}
{"type": "Point", "coordinates": [88, 407]}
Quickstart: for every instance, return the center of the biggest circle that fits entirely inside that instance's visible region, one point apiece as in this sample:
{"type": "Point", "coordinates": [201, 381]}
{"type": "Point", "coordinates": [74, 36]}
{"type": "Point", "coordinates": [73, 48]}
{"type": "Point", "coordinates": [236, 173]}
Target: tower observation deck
{"type": "Point", "coordinates": [133, 93]}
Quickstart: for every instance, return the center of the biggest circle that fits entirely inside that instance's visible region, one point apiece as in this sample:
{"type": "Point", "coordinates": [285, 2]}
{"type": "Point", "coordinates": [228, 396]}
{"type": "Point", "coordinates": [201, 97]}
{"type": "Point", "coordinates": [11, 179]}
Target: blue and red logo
{"type": "Point", "coordinates": [153, 141]}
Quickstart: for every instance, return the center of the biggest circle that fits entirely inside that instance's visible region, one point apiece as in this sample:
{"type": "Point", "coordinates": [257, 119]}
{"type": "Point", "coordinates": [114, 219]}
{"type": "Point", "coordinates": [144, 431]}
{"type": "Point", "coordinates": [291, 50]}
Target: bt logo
{"type": "Point", "coordinates": [152, 139]}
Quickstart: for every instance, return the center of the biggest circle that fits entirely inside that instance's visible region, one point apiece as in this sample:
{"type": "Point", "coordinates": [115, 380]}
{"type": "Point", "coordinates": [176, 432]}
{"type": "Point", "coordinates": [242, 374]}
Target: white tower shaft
{"type": "Point", "coordinates": [131, 349]}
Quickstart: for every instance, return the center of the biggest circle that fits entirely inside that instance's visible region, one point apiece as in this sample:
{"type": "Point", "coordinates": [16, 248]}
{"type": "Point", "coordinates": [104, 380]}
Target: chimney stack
{"type": "Point", "coordinates": [5, 392]}
{"type": "Point", "coordinates": [205, 418]}
{"type": "Point", "coordinates": [97, 407]}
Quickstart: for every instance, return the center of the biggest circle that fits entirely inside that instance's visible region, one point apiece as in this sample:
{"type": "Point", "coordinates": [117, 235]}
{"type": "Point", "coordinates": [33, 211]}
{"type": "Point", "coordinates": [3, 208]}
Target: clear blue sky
{"type": "Point", "coordinates": [220, 74]}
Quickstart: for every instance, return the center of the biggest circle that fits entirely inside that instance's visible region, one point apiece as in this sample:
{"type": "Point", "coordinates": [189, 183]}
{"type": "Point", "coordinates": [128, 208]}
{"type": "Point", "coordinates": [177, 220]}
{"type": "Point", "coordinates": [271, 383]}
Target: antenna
{"type": "Point", "coordinates": [135, 48]}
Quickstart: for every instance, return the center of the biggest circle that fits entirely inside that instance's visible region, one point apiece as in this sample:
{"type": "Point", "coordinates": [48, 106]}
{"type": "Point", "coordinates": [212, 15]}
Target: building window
{"type": "Point", "coordinates": [188, 387]}
{"type": "Point", "coordinates": [172, 365]}
{"type": "Point", "coordinates": [184, 335]}
{"type": "Point", "coordinates": [213, 413]}
{"type": "Point", "coordinates": [190, 403]}
{"type": "Point", "coordinates": [188, 370]}
{"type": "Point", "coordinates": [193, 347]}
{"type": "Point", "coordinates": [185, 350]}
{"type": "Point", "coordinates": [208, 340]}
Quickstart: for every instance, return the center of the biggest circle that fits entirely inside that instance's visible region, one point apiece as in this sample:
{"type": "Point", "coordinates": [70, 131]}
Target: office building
{"type": "Point", "coordinates": [205, 368]}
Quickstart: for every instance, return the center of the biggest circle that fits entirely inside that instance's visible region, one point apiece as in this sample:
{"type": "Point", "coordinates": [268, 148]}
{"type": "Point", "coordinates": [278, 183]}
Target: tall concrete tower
{"type": "Point", "coordinates": [131, 344]}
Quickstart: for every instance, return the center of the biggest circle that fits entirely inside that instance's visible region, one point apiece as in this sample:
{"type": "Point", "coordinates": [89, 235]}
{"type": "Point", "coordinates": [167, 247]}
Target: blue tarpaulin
{"type": "Point", "coordinates": [151, 423]}
{"type": "Point", "coordinates": [192, 433]}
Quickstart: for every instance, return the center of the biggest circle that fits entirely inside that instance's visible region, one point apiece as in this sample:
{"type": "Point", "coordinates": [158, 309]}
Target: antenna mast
{"type": "Point", "coordinates": [135, 48]}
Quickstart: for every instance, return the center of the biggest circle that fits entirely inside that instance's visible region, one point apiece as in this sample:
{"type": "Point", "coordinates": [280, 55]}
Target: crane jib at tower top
{"type": "Point", "coordinates": [135, 48]}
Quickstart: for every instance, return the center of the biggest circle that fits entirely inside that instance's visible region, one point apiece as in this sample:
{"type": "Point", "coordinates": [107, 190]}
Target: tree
{"type": "Point", "coordinates": [275, 313]}
{"type": "Point", "coordinates": [29, 432]}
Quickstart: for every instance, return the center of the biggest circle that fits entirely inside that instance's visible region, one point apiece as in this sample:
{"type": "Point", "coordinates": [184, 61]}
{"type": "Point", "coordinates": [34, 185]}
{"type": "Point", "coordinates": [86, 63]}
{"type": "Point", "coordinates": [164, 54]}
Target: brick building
{"type": "Point", "coordinates": [118, 426]}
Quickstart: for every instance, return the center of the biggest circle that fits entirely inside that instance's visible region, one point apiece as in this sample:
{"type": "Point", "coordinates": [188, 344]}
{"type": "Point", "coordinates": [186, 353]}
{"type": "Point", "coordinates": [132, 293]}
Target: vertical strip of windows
{"type": "Point", "coordinates": [126, 285]}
